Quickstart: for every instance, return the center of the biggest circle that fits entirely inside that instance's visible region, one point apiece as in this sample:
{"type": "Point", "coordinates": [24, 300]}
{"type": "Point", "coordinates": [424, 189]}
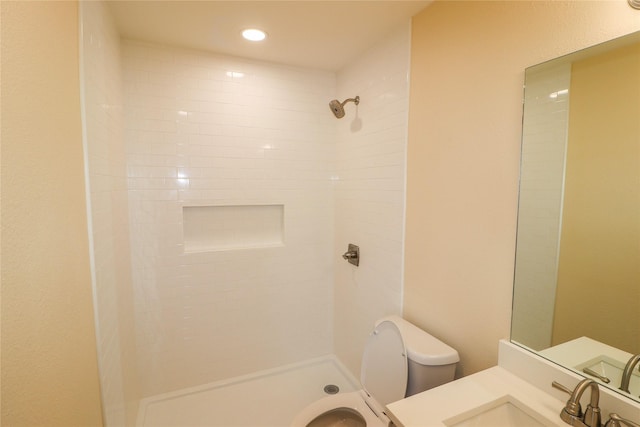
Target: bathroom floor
{"type": "Point", "coordinates": [268, 398]}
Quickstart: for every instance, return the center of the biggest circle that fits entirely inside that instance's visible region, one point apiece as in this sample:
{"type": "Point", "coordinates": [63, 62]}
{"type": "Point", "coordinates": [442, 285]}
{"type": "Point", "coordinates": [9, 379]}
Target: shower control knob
{"type": "Point", "coordinates": [352, 255]}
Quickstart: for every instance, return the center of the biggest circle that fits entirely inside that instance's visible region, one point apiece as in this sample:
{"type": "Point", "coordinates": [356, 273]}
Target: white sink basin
{"type": "Point", "coordinates": [506, 411]}
{"type": "Point", "coordinates": [605, 360]}
{"type": "Point", "coordinates": [608, 367]}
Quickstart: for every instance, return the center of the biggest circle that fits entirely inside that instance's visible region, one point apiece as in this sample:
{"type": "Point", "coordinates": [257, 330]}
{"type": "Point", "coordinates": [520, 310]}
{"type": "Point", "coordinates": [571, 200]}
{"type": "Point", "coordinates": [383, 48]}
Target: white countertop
{"type": "Point", "coordinates": [580, 350]}
{"type": "Point", "coordinates": [521, 376]}
{"type": "Point", "coordinates": [434, 407]}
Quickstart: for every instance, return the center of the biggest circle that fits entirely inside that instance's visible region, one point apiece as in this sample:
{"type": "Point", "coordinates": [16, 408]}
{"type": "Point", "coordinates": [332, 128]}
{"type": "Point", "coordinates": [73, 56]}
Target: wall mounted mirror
{"type": "Point", "coordinates": [577, 278]}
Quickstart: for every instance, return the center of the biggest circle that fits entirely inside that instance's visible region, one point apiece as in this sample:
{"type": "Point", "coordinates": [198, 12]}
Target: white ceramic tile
{"type": "Point", "coordinates": [195, 135]}
{"type": "Point", "coordinates": [369, 194]}
{"type": "Point", "coordinates": [109, 219]}
{"type": "Point", "coordinates": [251, 302]}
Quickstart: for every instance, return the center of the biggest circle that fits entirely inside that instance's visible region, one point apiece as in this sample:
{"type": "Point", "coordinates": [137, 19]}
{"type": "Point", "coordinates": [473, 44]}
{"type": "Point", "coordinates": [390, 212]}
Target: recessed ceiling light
{"type": "Point", "coordinates": [254, 34]}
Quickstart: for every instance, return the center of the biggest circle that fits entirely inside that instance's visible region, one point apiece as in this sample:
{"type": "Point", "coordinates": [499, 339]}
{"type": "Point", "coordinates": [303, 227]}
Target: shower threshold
{"type": "Point", "coordinates": [266, 398]}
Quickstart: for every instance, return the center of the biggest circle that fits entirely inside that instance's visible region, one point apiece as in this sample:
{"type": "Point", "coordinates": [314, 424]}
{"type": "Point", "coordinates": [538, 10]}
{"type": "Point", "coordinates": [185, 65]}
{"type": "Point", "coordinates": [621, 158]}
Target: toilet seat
{"type": "Point", "coordinates": [353, 400]}
{"type": "Point", "coordinates": [384, 372]}
{"type": "Point", "coordinates": [383, 376]}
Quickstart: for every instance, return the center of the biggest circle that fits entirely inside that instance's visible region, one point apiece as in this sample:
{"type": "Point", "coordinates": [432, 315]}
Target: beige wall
{"type": "Point", "coordinates": [49, 370]}
{"type": "Point", "coordinates": [468, 61]}
{"type": "Point", "coordinates": [600, 241]}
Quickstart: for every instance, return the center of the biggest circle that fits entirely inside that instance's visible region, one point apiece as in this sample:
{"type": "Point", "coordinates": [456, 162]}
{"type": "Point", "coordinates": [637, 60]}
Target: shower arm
{"type": "Point", "coordinates": [355, 100]}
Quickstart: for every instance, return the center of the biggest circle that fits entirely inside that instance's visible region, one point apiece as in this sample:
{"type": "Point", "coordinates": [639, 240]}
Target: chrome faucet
{"type": "Point", "coordinates": [628, 370]}
{"type": "Point", "coordinates": [572, 411]}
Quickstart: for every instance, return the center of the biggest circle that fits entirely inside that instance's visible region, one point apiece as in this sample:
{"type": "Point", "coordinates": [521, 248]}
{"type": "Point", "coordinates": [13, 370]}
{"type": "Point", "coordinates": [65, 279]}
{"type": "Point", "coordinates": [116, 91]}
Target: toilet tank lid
{"type": "Point", "coordinates": [423, 348]}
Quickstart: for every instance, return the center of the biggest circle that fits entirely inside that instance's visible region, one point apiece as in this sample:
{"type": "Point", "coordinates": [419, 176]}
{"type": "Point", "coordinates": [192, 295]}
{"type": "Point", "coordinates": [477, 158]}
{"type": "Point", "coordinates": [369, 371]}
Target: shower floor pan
{"type": "Point", "coordinates": [266, 398]}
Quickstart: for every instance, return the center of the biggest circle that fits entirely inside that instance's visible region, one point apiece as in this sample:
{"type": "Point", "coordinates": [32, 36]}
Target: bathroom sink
{"type": "Point", "coordinates": [608, 367]}
{"type": "Point", "coordinates": [506, 411]}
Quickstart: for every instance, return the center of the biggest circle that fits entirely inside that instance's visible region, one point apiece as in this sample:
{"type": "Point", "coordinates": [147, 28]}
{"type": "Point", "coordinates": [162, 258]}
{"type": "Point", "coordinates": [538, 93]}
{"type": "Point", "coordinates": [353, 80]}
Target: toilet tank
{"type": "Point", "coordinates": [431, 362]}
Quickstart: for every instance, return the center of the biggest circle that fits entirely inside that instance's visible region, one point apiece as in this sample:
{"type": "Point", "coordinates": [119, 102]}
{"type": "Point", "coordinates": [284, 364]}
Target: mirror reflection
{"type": "Point", "coordinates": [577, 278]}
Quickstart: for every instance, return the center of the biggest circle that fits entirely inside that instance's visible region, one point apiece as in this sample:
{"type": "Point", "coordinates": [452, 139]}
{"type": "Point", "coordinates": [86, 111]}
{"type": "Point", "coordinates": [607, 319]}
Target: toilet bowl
{"type": "Point", "coordinates": [344, 409]}
{"type": "Point", "coordinates": [399, 360]}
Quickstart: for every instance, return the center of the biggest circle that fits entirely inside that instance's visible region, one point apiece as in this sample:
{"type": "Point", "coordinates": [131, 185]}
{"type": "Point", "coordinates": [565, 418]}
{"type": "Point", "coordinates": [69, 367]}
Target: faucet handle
{"type": "Point", "coordinates": [616, 420]}
{"type": "Point", "coordinates": [561, 387]}
{"type": "Point", "coordinates": [573, 408]}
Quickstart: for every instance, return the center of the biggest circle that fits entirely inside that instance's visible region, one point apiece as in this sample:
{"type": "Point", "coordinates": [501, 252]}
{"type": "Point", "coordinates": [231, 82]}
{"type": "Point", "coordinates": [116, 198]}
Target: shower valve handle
{"type": "Point", "coordinates": [352, 255]}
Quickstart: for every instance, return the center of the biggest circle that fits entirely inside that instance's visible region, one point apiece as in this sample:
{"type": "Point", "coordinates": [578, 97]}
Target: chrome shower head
{"type": "Point", "coordinates": [338, 107]}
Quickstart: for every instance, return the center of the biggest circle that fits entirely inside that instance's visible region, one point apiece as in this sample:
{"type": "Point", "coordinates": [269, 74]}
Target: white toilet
{"type": "Point", "coordinates": [399, 360]}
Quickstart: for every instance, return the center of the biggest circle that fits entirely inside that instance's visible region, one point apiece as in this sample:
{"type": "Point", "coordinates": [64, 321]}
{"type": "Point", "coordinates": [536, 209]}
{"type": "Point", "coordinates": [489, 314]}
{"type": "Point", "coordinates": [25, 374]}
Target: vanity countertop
{"type": "Point", "coordinates": [442, 405]}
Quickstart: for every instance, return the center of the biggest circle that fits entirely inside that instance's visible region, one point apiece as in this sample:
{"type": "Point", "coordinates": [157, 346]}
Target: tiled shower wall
{"type": "Point", "coordinates": [105, 163]}
{"type": "Point", "coordinates": [370, 191]}
{"type": "Point", "coordinates": [210, 130]}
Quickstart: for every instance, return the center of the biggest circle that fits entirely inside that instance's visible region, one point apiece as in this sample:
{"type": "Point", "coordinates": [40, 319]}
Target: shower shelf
{"type": "Point", "coordinates": [231, 227]}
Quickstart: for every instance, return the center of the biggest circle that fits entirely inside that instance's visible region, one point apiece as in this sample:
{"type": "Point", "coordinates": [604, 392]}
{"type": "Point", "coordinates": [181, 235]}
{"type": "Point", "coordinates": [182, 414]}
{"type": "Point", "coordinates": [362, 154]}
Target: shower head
{"type": "Point", "coordinates": [338, 107]}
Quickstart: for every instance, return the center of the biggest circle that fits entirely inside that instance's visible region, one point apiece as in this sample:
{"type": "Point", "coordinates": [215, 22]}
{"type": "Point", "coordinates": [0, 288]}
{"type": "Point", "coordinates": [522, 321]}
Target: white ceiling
{"type": "Point", "coordinates": [317, 34]}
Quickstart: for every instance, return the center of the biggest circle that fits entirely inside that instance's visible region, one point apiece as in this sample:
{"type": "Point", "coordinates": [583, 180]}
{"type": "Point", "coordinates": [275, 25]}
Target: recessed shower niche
{"type": "Point", "coordinates": [215, 228]}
